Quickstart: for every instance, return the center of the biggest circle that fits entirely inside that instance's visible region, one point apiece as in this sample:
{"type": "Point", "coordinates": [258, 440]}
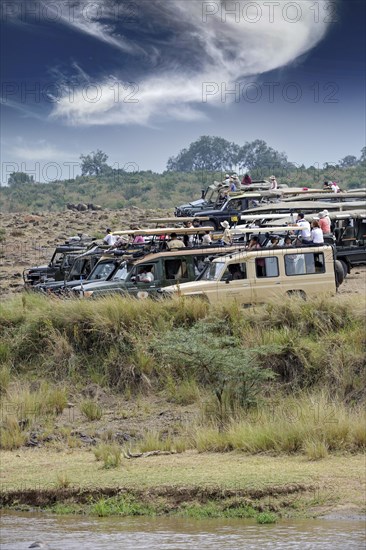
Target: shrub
{"type": "Point", "coordinates": [109, 454]}
{"type": "Point", "coordinates": [91, 410]}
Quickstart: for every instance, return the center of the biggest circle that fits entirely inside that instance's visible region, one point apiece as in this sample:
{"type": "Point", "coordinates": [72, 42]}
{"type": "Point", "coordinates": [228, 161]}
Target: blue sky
{"type": "Point", "coordinates": [142, 80]}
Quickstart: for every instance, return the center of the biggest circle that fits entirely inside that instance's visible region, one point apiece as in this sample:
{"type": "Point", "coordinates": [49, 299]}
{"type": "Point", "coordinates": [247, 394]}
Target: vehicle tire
{"type": "Point", "coordinates": [297, 294]}
{"type": "Point", "coordinates": [345, 268]}
{"type": "Point", "coordinates": [339, 273]}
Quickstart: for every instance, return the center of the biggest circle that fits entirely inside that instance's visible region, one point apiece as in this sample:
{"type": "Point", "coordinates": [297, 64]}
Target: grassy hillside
{"type": "Point", "coordinates": [148, 189]}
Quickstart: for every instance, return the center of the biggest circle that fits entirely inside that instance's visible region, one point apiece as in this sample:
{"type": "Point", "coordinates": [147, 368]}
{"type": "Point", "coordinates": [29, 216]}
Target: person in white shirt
{"type": "Point", "coordinates": [316, 233]}
{"type": "Point", "coordinates": [305, 231]}
{"type": "Point", "coordinates": [206, 239]}
{"type": "Point", "coordinates": [110, 239]}
{"type": "Point", "coordinates": [274, 184]}
{"type": "Point", "coordinates": [146, 276]}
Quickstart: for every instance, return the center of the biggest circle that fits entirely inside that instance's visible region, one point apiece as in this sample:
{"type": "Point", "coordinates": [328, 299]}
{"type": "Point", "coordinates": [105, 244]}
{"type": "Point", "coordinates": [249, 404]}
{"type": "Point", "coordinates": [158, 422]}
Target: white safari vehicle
{"type": "Point", "coordinates": [257, 276]}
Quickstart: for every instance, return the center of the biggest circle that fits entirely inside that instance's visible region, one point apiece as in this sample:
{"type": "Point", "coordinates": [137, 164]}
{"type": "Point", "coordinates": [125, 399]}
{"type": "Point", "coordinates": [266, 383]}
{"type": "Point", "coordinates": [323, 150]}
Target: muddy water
{"type": "Point", "coordinates": [18, 531]}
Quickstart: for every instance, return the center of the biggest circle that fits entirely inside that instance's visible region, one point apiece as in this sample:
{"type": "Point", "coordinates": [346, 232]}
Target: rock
{"type": "Point", "coordinates": [81, 207]}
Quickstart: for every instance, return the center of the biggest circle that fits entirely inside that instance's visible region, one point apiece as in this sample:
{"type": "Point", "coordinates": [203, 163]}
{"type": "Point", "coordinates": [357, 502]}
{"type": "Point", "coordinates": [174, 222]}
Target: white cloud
{"type": "Point", "coordinates": [203, 42]}
{"type": "Point", "coordinates": [39, 151]}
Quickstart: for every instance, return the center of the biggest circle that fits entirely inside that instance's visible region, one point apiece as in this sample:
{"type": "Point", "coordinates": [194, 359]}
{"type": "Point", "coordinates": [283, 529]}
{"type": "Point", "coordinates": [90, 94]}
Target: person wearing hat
{"type": "Point", "coordinates": [274, 184]}
{"type": "Point", "coordinates": [226, 238]}
{"type": "Point", "coordinates": [233, 185]}
{"type": "Point", "coordinates": [324, 221]}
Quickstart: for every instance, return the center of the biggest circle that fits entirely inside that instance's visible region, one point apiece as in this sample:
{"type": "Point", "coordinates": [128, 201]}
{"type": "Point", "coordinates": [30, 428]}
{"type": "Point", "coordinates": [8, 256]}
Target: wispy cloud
{"type": "Point", "coordinates": [189, 43]}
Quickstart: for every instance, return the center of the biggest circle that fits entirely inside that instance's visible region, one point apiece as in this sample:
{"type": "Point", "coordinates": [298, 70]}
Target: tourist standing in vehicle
{"type": "Point", "coordinates": [206, 239]}
{"type": "Point", "coordinates": [175, 243]}
{"type": "Point", "coordinates": [254, 243]}
{"type": "Point", "coordinates": [247, 180]}
{"type": "Point", "coordinates": [316, 233]}
{"type": "Point", "coordinates": [226, 238]}
{"type": "Point", "coordinates": [274, 184]}
{"type": "Point", "coordinates": [110, 239]}
{"type": "Point", "coordinates": [324, 221]}
{"type": "Point", "coordinates": [188, 239]}
{"type": "Point", "coordinates": [232, 187]}
{"type": "Point", "coordinates": [305, 232]}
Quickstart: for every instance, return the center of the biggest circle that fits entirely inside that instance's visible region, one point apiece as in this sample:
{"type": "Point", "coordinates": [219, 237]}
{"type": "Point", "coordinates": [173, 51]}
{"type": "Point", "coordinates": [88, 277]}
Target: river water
{"type": "Point", "coordinates": [19, 530]}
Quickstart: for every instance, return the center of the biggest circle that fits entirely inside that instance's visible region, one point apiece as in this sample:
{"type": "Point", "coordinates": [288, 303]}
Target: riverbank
{"type": "Point", "coordinates": [189, 483]}
{"type": "Point", "coordinates": [127, 407]}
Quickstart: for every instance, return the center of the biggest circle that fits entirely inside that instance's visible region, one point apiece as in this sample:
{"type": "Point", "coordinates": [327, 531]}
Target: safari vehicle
{"type": "Point", "coordinates": [256, 276]}
{"type": "Point", "coordinates": [89, 265]}
{"type": "Point", "coordinates": [59, 264]}
{"type": "Point", "coordinates": [167, 267]}
{"type": "Point", "coordinates": [348, 233]}
{"type": "Point", "coordinates": [211, 198]}
{"type": "Point", "coordinates": [231, 209]}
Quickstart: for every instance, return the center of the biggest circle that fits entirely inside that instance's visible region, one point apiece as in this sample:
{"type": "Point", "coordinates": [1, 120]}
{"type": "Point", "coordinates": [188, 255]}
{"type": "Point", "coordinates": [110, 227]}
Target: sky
{"type": "Point", "coordinates": [142, 79]}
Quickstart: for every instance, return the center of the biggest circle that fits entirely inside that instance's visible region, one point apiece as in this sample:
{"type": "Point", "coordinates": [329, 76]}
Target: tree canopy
{"type": "Point", "coordinates": [19, 177]}
{"type": "Point", "coordinates": [94, 164]}
{"type": "Point", "coordinates": [218, 154]}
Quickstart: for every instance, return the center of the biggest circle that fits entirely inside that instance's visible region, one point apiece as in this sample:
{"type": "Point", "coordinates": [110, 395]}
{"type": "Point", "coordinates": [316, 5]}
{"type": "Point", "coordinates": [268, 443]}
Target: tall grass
{"type": "Point", "coordinates": [312, 424]}
{"type": "Point", "coordinates": [320, 343]}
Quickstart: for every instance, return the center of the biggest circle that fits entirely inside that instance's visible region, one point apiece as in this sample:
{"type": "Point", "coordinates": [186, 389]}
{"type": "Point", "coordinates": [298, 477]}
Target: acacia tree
{"type": "Point", "coordinates": [94, 164]}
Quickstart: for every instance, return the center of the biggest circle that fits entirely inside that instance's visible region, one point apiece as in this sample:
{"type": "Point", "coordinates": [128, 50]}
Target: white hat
{"type": "Point", "coordinates": [272, 178]}
{"type": "Point", "coordinates": [225, 224]}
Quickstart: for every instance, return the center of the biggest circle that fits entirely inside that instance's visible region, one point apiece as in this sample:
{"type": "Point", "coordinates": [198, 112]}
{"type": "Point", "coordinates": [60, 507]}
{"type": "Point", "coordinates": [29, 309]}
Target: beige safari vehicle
{"type": "Point", "coordinates": [258, 276]}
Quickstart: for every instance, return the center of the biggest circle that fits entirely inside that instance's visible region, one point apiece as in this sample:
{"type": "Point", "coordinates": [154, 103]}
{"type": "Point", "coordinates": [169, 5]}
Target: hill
{"type": "Point", "coordinates": [117, 189]}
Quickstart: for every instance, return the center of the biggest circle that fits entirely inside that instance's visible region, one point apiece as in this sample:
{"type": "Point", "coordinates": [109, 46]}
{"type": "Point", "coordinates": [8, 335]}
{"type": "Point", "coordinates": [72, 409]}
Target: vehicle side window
{"type": "Point", "coordinates": [304, 264]}
{"type": "Point", "coordinates": [235, 204]}
{"type": "Point", "coordinates": [176, 269]}
{"type": "Point", "coordinates": [266, 267]}
{"type": "Point", "coordinates": [235, 272]}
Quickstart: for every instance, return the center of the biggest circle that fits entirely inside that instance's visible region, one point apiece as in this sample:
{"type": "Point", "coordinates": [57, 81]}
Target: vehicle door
{"type": "Point", "coordinates": [235, 285]}
{"type": "Point", "coordinates": [175, 270]}
{"type": "Point", "coordinates": [139, 288]}
{"type": "Point", "coordinates": [266, 277]}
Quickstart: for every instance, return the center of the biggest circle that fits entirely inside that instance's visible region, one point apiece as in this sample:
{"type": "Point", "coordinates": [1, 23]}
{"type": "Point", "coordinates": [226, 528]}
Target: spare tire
{"type": "Point", "coordinates": [339, 272]}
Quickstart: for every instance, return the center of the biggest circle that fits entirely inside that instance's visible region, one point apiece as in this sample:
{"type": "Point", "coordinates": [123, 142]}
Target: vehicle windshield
{"type": "Point", "coordinates": [102, 270]}
{"type": "Point", "coordinates": [212, 272]}
{"type": "Point", "coordinates": [121, 273]}
{"type": "Point", "coordinates": [76, 268]}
